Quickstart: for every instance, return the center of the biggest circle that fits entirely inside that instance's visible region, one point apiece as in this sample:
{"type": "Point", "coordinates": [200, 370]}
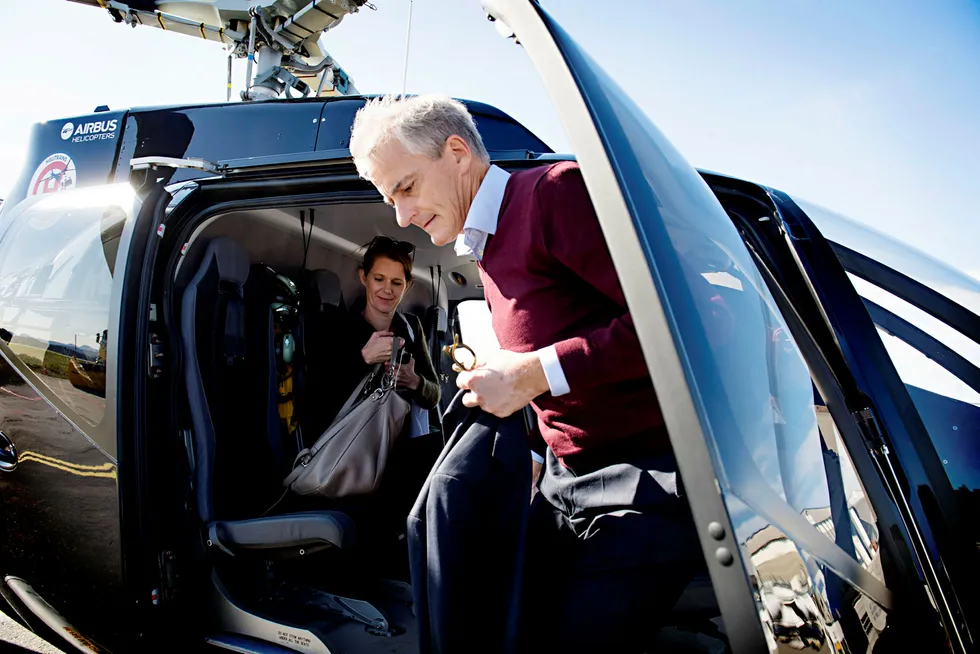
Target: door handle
{"type": "Point", "coordinates": [8, 454]}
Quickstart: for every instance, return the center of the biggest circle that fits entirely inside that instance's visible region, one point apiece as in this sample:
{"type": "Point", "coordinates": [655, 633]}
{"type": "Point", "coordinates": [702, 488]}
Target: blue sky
{"type": "Point", "coordinates": [868, 108]}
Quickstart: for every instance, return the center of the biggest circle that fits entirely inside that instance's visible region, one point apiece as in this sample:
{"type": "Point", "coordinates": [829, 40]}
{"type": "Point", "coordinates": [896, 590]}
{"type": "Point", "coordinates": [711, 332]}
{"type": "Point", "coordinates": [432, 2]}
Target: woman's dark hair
{"type": "Point", "coordinates": [383, 246]}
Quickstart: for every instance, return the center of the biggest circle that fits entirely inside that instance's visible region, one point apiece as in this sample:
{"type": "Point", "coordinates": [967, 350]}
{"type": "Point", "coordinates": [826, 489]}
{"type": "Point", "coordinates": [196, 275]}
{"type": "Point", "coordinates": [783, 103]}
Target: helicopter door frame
{"type": "Point", "coordinates": [896, 434]}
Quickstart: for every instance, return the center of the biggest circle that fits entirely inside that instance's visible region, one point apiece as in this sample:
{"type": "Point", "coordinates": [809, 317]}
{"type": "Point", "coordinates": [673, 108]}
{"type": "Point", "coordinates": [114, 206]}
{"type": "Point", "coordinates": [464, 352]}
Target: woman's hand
{"type": "Point", "coordinates": [407, 379]}
{"type": "Point", "coordinates": [378, 348]}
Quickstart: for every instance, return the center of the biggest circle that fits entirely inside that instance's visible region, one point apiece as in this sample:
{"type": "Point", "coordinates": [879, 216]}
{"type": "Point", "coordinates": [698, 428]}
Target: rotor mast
{"type": "Point", "coordinates": [281, 39]}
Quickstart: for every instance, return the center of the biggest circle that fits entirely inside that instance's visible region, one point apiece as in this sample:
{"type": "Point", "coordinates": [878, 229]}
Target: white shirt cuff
{"type": "Point", "coordinates": [537, 458]}
{"type": "Point", "coordinates": [557, 383]}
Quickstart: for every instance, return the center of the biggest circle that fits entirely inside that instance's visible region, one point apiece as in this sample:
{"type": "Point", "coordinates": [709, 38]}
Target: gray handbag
{"type": "Point", "coordinates": [350, 457]}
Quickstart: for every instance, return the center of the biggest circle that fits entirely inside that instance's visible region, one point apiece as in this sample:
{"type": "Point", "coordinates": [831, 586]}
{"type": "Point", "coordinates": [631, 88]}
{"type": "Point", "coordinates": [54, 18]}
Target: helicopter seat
{"type": "Point", "coordinates": [230, 449]}
{"type": "Point", "coordinates": [322, 394]}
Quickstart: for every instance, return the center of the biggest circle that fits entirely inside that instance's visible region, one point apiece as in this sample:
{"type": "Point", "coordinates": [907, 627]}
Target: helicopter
{"type": "Point", "coordinates": [834, 492]}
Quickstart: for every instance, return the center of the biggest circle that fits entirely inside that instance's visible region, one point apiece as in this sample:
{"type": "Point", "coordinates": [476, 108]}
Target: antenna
{"type": "Point", "coordinates": [228, 93]}
{"type": "Point", "coordinates": [408, 41]}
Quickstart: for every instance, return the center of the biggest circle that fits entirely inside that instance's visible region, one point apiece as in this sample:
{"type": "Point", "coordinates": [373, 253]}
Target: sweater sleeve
{"type": "Point", "coordinates": [428, 393]}
{"type": "Point", "coordinates": [570, 234]}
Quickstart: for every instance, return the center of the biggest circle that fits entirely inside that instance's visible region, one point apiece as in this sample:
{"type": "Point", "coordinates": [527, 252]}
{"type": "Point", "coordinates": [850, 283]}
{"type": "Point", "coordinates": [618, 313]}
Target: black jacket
{"type": "Point", "coordinates": [350, 367]}
{"type": "Point", "coordinates": [471, 518]}
{"type": "Point", "coordinates": [335, 366]}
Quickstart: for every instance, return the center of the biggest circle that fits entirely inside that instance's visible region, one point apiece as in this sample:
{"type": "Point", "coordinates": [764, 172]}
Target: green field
{"type": "Point", "coordinates": [38, 359]}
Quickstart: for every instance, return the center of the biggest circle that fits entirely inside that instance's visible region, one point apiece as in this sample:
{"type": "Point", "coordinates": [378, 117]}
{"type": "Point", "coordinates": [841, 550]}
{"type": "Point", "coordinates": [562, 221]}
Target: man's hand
{"type": "Point", "coordinates": [505, 383]}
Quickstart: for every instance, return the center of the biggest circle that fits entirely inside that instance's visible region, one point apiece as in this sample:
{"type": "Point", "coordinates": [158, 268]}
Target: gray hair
{"type": "Point", "coordinates": [422, 124]}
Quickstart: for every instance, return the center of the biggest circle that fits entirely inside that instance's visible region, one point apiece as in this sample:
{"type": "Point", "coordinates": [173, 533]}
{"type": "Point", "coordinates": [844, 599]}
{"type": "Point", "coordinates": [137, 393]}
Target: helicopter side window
{"type": "Point", "coordinates": [941, 371]}
{"type": "Point", "coordinates": [55, 296]}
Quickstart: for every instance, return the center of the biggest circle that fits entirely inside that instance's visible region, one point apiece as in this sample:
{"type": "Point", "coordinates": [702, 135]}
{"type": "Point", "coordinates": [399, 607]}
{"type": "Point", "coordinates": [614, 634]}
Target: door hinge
{"type": "Point", "coordinates": [154, 163]}
{"type": "Point", "coordinates": [155, 367]}
{"type": "Point", "coordinates": [169, 589]}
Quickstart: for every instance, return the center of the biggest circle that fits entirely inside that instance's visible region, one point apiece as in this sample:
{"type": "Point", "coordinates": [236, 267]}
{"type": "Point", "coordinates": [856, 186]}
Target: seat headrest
{"type": "Point", "coordinates": [232, 259]}
{"type": "Point", "coordinates": [326, 286]}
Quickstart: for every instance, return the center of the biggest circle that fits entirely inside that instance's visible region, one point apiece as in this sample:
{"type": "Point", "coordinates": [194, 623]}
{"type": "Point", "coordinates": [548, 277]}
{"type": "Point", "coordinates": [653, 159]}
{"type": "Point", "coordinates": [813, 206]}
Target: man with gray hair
{"type": "Point", "coordinates": [611, 542]}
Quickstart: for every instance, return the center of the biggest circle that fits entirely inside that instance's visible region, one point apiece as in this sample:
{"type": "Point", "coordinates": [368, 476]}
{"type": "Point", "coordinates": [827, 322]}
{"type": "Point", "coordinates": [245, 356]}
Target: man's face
{"type": "Point", "coordinates": [425, 192]}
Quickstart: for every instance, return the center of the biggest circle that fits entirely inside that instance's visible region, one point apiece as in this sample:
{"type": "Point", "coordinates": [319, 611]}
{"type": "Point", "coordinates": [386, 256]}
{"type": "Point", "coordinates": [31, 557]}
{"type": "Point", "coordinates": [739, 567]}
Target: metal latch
{"type": "Point", "coordinates": [156, 357]}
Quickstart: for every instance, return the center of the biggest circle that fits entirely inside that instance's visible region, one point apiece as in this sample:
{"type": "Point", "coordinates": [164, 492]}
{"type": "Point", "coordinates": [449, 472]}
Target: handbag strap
{"type": "Point", "coordinates": [349, 404]}
{"type": "Point", "coordinates": [408, 326]}
{"type": "Point", "coordinates": [352, 400]}
{"type": "Point", "coordinates": [394, 355]}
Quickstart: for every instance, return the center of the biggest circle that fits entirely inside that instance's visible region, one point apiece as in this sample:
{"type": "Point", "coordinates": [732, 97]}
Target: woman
{"type": "Point", "coordinates": [368, 337]}
{"type": "Point", "coordinates": [365, 341]}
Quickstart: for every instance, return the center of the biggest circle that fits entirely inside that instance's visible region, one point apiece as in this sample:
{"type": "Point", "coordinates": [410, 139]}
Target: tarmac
{"type": "Point", "coordinates": [15, 638]}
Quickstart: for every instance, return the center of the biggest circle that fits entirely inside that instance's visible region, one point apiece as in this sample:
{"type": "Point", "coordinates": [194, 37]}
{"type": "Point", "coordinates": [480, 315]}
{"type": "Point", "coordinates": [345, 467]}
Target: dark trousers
{"type": "Point", "coordinates": [409, 465]}
{"type": "Point", "coordinates": [611, 547]}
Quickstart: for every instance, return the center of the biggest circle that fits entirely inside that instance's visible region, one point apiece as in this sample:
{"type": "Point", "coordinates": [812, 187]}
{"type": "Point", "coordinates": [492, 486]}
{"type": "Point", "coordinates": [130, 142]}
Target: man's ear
{"type": "Point", "coordinates": [458, 148]}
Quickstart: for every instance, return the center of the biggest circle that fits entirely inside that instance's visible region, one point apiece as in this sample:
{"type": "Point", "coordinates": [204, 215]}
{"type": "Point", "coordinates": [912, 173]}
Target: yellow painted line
{"type": "Point", "coordinates": [78, 466]}
{"type": "Point", "coordinates": [63, 464]}
{"type": "Point", "coordinates": [110, 474]}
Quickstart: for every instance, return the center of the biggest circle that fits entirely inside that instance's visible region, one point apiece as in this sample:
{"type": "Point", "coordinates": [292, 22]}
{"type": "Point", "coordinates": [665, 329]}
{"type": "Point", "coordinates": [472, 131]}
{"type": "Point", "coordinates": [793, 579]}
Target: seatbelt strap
{"type": "Point", "coordinates": [189, 452]}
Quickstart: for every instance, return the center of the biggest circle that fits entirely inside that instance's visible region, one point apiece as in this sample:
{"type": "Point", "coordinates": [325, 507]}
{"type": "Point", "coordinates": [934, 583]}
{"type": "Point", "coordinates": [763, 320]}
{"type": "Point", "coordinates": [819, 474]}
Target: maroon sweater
{"type": "Point", "coordinates": [549, 280]}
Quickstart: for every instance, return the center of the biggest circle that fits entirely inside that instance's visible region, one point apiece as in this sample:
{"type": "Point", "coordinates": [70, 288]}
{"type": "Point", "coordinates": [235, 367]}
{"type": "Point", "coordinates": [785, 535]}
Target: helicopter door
{"type": "Point", "coordinates": [735, 391]}
{"type": "Point", "coordinates": [61, 546]}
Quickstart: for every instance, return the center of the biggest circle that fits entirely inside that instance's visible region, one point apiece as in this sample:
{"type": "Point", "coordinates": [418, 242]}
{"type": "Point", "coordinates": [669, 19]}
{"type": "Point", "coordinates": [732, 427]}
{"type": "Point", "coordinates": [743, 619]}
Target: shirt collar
{"type": "Point", "coordinates": [481, 221]}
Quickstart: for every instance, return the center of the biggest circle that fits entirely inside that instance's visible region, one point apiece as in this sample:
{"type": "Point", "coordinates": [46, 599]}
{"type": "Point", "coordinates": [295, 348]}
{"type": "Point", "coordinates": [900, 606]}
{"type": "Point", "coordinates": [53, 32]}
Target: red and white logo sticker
{"type": "Point", "coordinates": [56, 173]}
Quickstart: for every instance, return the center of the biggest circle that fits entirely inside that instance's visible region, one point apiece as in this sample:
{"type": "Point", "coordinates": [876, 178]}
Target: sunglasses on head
{"type": "Point", "coordinates": [399, 246]}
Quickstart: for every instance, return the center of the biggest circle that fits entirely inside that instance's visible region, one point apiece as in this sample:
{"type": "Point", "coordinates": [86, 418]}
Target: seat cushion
{"type": "Point", "coordinates": [287, 531]}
